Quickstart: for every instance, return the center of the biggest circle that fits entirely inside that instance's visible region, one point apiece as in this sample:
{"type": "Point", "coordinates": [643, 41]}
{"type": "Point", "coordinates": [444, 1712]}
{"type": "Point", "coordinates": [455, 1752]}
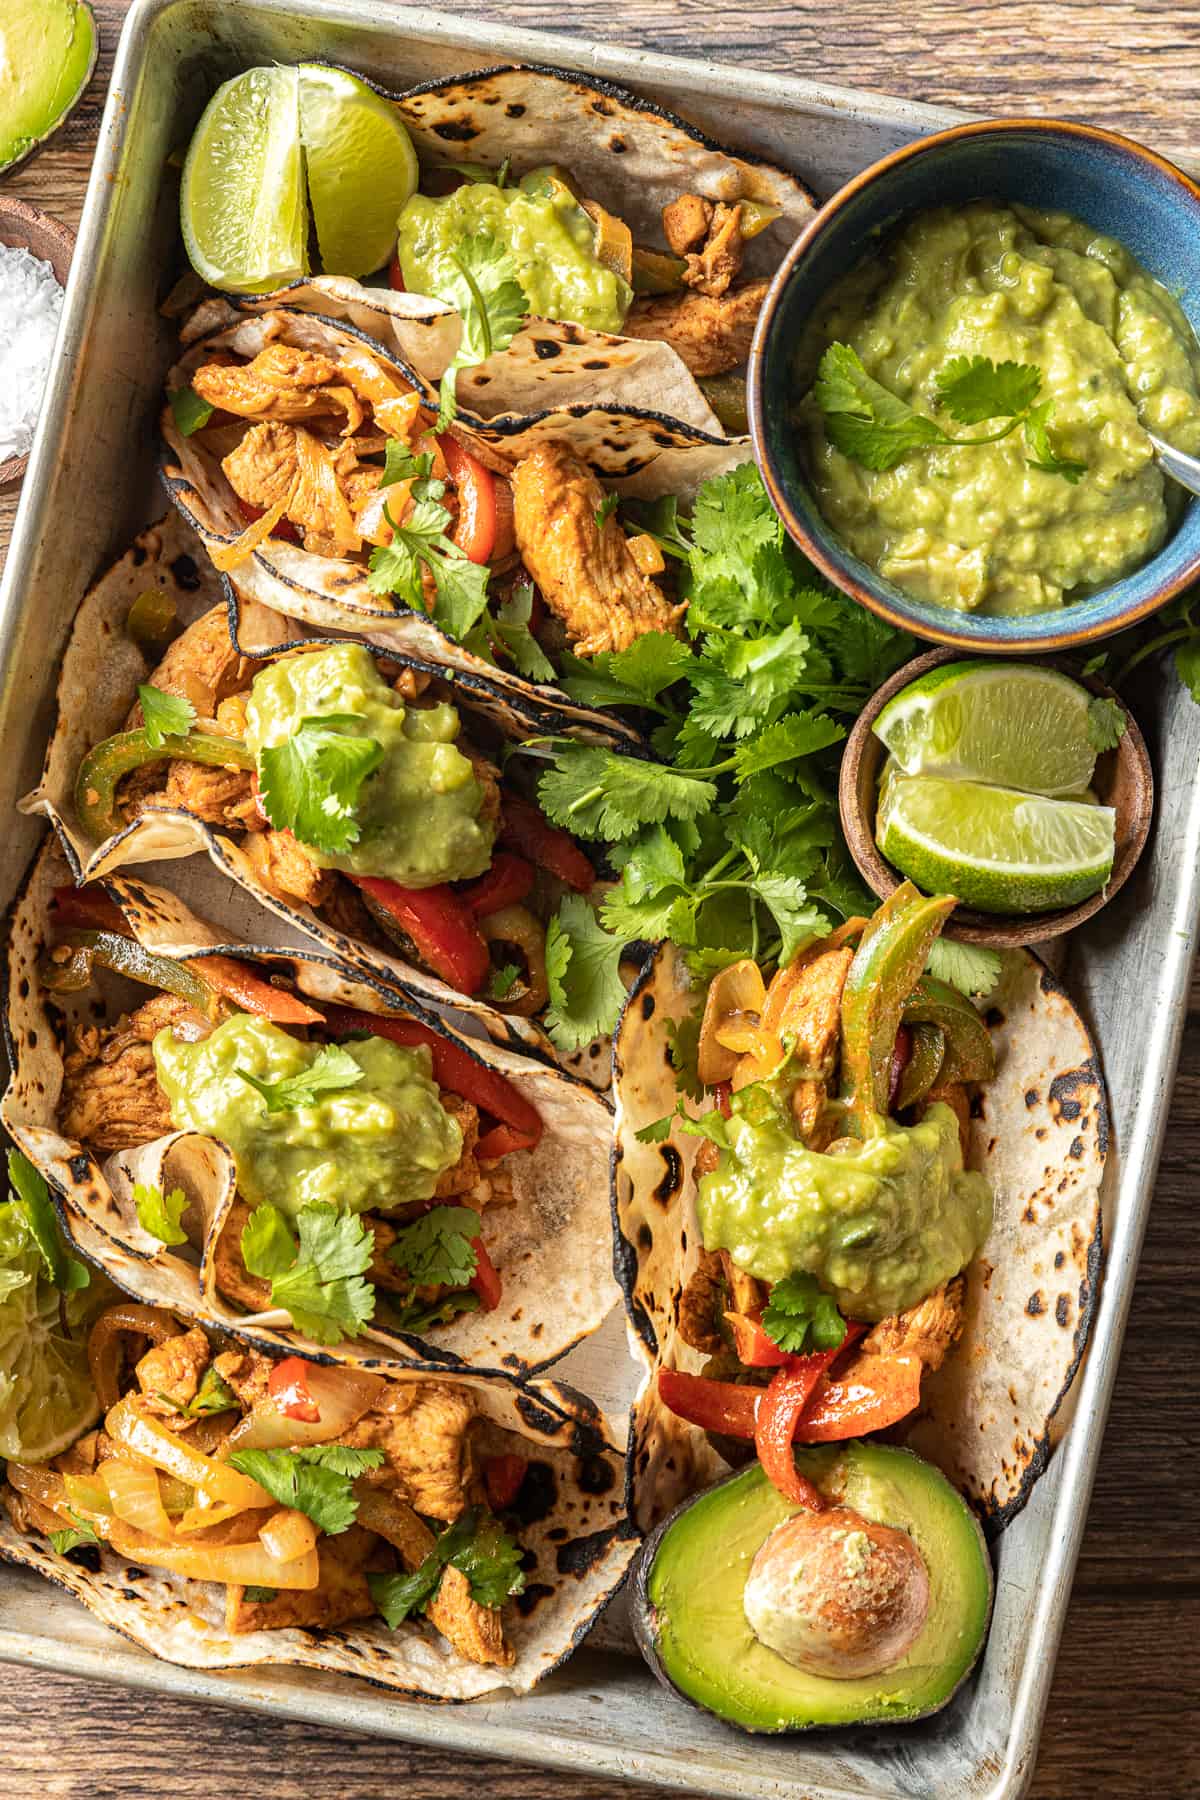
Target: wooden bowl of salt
{"type": "Point", "coordinates": [25, 227]}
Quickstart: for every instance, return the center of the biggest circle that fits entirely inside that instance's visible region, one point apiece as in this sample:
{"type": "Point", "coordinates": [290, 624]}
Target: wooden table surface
{"type": "Point", "coordinates": [1124, 1718]}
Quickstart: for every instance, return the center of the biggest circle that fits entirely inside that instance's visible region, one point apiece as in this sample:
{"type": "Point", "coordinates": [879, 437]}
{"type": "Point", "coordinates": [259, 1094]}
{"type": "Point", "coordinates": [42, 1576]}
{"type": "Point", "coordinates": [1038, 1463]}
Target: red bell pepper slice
{"type": "Point", "coordinates": [502, 1477]}
{"type": "Point", "coordinates": [288, 1387]}
{"type": "Point", "coordinates": [508, 881]}
{"type": "Point", "coordinates": [456, 1070]}
{"type": "Point", "coordinates": [283, 528]}
{"type": "Point", "coordinates": [753, 1346]}
{"type": "Point", "coordinates": [779, 1413]}
{"type": "Point", "coordinates": [396, 274]}
{"type": "Point", "coordinates": [88, 909]}
{"type": "Point", "coordinates": [485, 1281]}
{"type": "Point", "coordinates": [475, 528]}
{"type": "Point", "coordinates": [442, 928]}
{"type": "Point", "coordinates": [526, 829]}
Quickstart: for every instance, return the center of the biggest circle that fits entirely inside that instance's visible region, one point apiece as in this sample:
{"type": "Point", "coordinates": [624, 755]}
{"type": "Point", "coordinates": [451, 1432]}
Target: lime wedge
{"type": "Point", "coordinates": [362, 168]}
{"type": "Point", "coordinates": [242, 203]}
{"type": "Point", "coordinates": [46, 1394]}
{"type": "Point", "coordinates": [997, 850]}
{"type": "Point", "coordinates": [1018, 727]}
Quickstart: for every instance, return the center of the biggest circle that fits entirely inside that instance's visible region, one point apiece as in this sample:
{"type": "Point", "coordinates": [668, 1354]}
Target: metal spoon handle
{"type": "Point", "coordinates": [1182, 468]}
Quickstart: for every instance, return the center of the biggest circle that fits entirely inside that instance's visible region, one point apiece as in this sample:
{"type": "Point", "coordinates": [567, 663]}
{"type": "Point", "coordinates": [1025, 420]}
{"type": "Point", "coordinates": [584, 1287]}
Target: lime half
{"type": "Point", "coordinates": [985, 721]}
{"type": "Point", "coordinates": [46, 1393]}
{"type": "Point", "coordinates": [242, 203]}
{"type": "Point", "coordinates": [362, 168]}
{"type": "Point", "coordinates": [997, 850]}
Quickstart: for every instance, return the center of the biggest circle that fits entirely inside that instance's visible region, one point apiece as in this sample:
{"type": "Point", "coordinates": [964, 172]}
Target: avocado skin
{"type": "Point", "coordinates": [812, 1701]}
{"type": "Point", "coordinates": [29, 120]}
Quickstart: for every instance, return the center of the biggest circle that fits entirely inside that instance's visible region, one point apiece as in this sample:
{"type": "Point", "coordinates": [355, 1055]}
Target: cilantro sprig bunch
{"type": "Point", "coordinates": [874, 427]}
{"type": "Point", "coordinates": [478, 1546]}
{"type": "Point", "coordinates": [314, 1479]}
{"type": "Point", "coordinates": [727, 841]}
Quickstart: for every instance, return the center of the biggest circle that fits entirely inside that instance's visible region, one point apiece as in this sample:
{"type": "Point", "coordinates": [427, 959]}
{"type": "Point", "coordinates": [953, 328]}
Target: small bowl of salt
{"type": "Point", "coordinates": [35, 255]}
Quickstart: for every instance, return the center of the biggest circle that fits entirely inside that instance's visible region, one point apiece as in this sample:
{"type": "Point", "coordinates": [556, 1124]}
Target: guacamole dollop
{"type": "Point", "coordinates": [979, 528]}
{"type": "Point", "coordinates": [879, 1225]}
{"type": "Point", "coordinates": [420, 812]}
{"type": "Point", "coordinates": [379, 1143]}
{"type": "Point", "coordinates": [549, 237]}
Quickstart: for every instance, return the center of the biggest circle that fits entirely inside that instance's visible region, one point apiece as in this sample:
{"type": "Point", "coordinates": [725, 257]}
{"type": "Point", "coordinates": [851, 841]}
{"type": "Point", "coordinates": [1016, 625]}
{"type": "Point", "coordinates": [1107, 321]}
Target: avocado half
{"type": "Point", "coordinates": [49, 53]}
{"type": "Point", "coordinates": [691, 1572]}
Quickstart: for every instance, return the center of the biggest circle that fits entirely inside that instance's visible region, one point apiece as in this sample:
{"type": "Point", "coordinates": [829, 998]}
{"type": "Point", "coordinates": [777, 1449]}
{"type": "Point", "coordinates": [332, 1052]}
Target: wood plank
{"type": "Point", "coordinates": [1123, 1714]}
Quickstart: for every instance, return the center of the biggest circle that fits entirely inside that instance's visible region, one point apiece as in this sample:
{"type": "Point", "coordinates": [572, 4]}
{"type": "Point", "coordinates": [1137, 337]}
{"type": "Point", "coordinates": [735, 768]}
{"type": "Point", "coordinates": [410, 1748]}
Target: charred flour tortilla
{"type": "Point", "coordinates": [551, 1246]}
{"type": "Point", "coordinates": [576, 1536]}
{"type": "Point", "coordinates": [637, 453]}
{"type": "Point", "coordinates": [1038, 1133]}
{"type": "Point", "coordinates": [101, 670]}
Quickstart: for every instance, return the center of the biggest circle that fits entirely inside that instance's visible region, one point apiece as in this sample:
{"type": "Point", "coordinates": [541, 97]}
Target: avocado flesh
{"type": "Point", "coordinates": [47, 48]}
{"type": "Point", "coordinates": [706, 1647]}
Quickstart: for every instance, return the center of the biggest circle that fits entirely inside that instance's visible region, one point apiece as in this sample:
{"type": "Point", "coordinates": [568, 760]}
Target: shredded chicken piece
{"type": "Point", "coordinates": [202, 666]}
{"type": "Point", "coordinates": [926, 1330]}
{"type": "Point", "coordinates": [804, 1004]}
{"type": "Point", "coordinates": [110, 1096]}
{"type": "Point", "coordinates": [341, 1593]}
{"type": "Point", "coordinates": [747, 1294]}
{"type": "Point", "coordinates": [488, 777]}
{"type": "Point", "coordinates": [712, 333]}
{"type": "Point", "coordinates": [584, 570]}
{"type": "Point", "coordinates": [421, 1427]}
{"type": "Point", "coordinates": [172, 1370]}
{"type": "Point", "coordinates": [708, 235]}
{"type": "Point", "coordinates": [217, 796]}
{"type": "Point", "coordinates": [699, 1304]}
{"type": "Point", "coordinates": [475, 1631]}
{"type": "Point", "coordinates": [286, 867]}
{"type": "Point", "coordinates": [247, 1372]}
{"type": "Point", "coordinates": [283, 384]}
{"type": "Point", "coordinates": [274, 463]}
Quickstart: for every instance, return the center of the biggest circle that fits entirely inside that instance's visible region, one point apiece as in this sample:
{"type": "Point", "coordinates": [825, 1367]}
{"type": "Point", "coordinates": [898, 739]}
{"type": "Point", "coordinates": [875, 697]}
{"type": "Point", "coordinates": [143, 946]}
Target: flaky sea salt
{"type": "Point", "coordinates": [30, 305]}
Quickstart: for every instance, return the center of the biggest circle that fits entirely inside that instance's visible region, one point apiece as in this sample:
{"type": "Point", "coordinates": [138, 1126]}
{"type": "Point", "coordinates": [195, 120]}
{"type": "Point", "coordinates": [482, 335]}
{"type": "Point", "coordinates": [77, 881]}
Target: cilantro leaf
{"type": "Point", "coordinates": [479, 279]}
{"type": "Point", "coordinates": [314, 1479]}
{"type": "Point", "coordinates": [799, 734]}
{"type": "Point", "coordinates": [635, 676]}
{"type": "Point", "coordinates": [584, 976]}
{"type": "Point", "coordinates": [32, 1198]}
{"type": "Point", "coordinates": [334, 1067]}
{"type": "Point", "coordinates": [502, 981]}
{"type": "Point", "coordinates": [967, 967]}
{"type": "Point", "coordinates": [605, 510]}
{"type": "Point", "coordinates": [478, 1545]}
{"type": "Point", "coordinates": [1106, 723]}
{"type": "Point", "coordinates": [164, 715]}
{"type": "Point", "coordinates": [710, 1125]}
{"type": "Point", "coordinates": [1042, 454]}
{"type": "Point", "coordinates": [320, 1280]}
{"type": "Point", "coordinates": [510, 627]}
{"type": "Point", "coordinates": [660, 520]}
{"type": "Point", "coordinates": [740, 683]}
{"type": "Point", "coordinates": [732, 518]}
{"type": "Point", "coordinates": [437, 1249]}
{"type": "Point", "coordinates": [160, 1213]}
{"type": "Point", "coordinates": [657, 1132]}
{"type": "Point", "coordinates": [81, 1534]}
{"type": "Point", "coordinates": [311, 784]}
{"type": "Point", "coordinates": [420, 1316]}
{"type": "Point", "coordinates": [799, 921]}
{"type": "Point", "coordinates": [398, 1596]}
{"type": "Point", "coordinates": [598, 793]}
{"type": "Point", "coordinates": [800, 1318]}
{"type": "Point", "coordinates": [683, 1044]}
{"type": "Point", "coordinates": [862, 419]}
{"type": "Point", "coordinates": [191, 412]}
{"type": "Point", "coordinates": [973, 389]}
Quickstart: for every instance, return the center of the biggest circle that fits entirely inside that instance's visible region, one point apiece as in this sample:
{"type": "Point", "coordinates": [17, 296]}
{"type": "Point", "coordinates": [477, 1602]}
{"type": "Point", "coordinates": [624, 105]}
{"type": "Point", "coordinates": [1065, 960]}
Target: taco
{"type": "Point", "coordinates": [882, 1212]}
{"type": "Point", "coordinates": [395, 833]}
{"type": "Point", "coordinates": [299, 1173]}
{"type": "Point", "coordinates": [446, 1538]}
{"type": "Point", "coordinates": [317, 479]}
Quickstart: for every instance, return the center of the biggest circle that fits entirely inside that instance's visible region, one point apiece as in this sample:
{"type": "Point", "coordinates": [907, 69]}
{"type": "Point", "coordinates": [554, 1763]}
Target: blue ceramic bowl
{"type": "Point", "coordinates": [1124, 190]}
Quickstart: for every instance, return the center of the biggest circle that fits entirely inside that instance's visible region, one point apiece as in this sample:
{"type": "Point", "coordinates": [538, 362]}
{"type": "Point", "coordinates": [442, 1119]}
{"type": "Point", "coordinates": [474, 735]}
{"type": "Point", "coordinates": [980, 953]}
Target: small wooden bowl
{"type": "Point", "coordinates": [1123, 780]}
{"type": "Point", "coordinates": [34, 230]}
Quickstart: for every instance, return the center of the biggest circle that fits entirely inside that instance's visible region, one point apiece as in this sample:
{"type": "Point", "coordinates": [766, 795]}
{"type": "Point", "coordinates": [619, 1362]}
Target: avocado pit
{"type": "Point", "coordinates": [836, 1594]}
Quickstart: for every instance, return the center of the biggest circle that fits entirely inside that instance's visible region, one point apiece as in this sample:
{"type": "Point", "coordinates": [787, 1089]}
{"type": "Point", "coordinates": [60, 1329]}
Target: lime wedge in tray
{"type": "Point", "coordinates": [984, 721]}
{"type": "Point", "coordinates": [361, 169]}
{"type": "Point", "coordinates": [998, 850]}
{"type": "Point", "coordinates": [269, 142]}
{"type": "Point", "coordinates": [46, 1393]}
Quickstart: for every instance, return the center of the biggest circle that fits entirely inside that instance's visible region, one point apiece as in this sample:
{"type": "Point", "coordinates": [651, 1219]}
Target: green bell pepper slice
{"type": "Point", "coordinates": [104, 768]}
{"type": "Point", "coordinates": [68, 968]}
{"type": "Point", "coordinates": [923, 1066]}
{"type": "Point", "coordinates": [970, 1054]}
{"type": "Point", "coordinates": [887, 965]}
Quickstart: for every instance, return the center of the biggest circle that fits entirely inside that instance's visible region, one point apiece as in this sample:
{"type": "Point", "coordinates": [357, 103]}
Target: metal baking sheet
{"type": "Point", "coordinates": [90, 486]}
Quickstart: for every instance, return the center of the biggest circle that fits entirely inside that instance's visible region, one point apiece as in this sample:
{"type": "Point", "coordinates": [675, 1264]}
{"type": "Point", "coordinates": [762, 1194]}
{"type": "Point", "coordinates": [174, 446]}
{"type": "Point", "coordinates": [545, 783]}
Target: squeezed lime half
{"type": "Point", "coordinates": [1016, 727]}
{"type": "Point", "coordinates": [995, 849]}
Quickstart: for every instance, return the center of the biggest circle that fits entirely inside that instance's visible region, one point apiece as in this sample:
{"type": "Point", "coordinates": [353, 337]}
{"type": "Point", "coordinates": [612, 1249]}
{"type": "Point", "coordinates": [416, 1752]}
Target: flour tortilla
{"type": "Point", "coordinates": [581, 1543]}
{"type": "Point", "coordinates": [1039, 1132]}
{"type": "Point", "coordinates": [551, 1246]}
{"type": "Point", "coordinates": [101, 670]}
{"type": "Point", "coordinates": [640, 453]}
